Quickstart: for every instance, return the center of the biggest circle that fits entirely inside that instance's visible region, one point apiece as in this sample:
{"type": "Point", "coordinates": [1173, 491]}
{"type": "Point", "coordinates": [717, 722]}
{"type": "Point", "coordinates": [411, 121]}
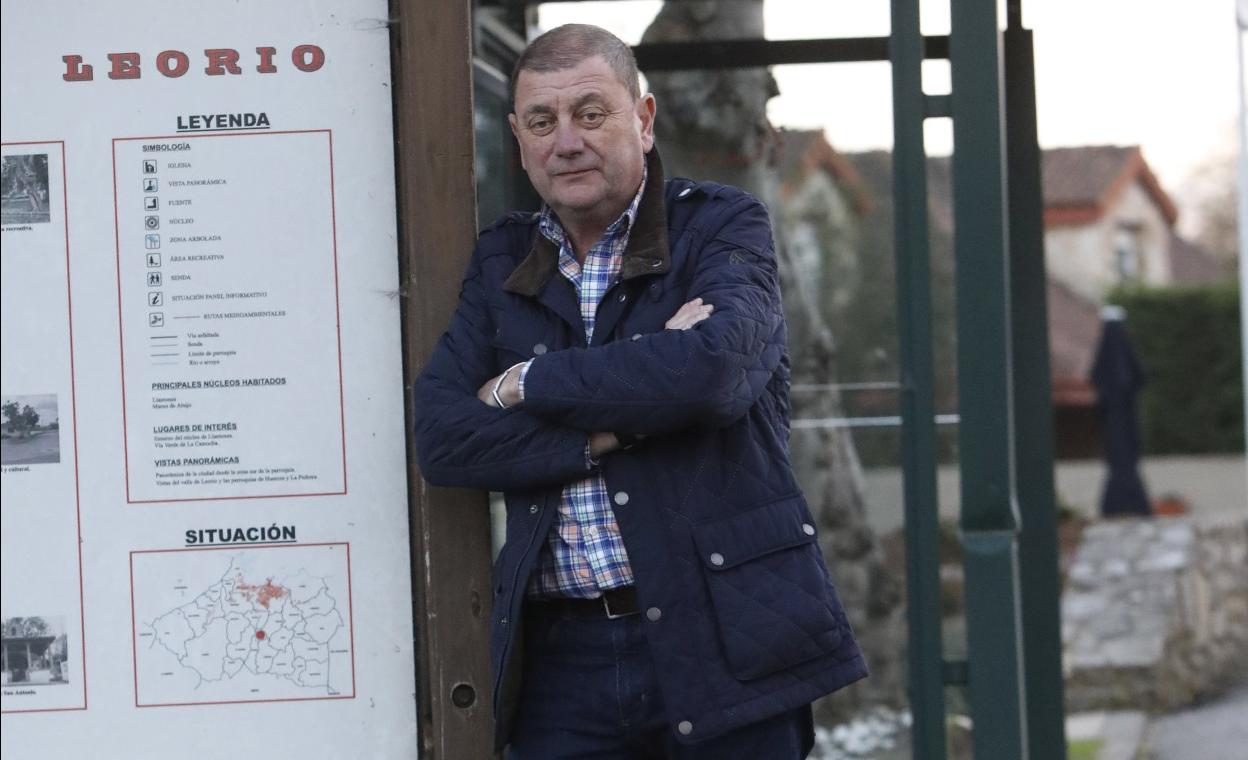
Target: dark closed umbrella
{"type": "Point", "coordinates": [1118, 377]}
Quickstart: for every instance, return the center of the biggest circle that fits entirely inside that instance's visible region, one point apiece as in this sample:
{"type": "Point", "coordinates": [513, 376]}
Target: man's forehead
{"type": "Point", "coordinates": [592, 76]}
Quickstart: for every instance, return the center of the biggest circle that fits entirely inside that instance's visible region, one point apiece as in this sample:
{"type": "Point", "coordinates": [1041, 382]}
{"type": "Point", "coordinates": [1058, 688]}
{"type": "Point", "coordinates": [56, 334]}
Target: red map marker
{"type": "Point", "coordinates": [260, 635]}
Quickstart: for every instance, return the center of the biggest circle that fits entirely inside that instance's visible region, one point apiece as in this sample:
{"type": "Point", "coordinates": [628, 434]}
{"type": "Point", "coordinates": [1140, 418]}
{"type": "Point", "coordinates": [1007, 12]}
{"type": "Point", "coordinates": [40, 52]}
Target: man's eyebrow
{"type": "Point", "coordinates": [538, 108]}
{"type": "Point", "coordinates": [589, 97]}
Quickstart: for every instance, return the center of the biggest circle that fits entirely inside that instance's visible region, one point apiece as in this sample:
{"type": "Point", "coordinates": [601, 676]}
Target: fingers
{"type": "Point", "coordinates": [689, 315]}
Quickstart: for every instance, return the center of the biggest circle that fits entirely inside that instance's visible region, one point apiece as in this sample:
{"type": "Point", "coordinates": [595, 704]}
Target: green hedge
{"type": "Point", "coordinates": [1187, 339]}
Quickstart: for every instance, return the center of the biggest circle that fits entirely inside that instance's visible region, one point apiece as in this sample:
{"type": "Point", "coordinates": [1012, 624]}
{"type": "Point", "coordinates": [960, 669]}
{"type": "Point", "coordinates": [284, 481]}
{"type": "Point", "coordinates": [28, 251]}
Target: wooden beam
{"type": "Point", "coordinates": [450, 536]}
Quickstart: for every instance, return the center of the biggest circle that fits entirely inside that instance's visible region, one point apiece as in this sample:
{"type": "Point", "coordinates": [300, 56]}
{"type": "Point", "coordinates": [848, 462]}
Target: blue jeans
{"type": "Point", "coordinates": [590, 691]}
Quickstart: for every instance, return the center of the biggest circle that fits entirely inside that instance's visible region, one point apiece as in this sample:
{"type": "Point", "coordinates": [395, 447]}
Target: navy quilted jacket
{"type": "Point", "coordinates": [742, 618]}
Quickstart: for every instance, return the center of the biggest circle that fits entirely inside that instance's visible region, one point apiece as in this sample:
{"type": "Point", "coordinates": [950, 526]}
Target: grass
{"type": "Point", "coordinates": [1084, 749]}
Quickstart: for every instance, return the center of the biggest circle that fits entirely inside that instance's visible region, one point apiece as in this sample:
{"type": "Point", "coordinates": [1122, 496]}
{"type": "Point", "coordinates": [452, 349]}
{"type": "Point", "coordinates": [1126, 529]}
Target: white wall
{"type": "Point", "coordinates": [1083, 256]}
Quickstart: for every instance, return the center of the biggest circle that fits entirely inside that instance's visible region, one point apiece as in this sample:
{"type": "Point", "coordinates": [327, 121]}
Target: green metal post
{"type": "Point", "coordinates": [989, 516]}
{"type": "Point", "coordinates": [1033, 405]}
{"type": "Point", "coordinates": [918, 430]}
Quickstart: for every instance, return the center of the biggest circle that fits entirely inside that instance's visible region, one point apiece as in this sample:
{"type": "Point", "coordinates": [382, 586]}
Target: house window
{"type": "Point", "coordinates": [1128, 253]}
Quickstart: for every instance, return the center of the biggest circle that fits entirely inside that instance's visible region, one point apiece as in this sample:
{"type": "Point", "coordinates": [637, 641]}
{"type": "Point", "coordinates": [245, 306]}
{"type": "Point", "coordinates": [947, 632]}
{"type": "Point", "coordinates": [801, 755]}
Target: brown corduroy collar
{"type": "Point", "coordinates": [646, 252]}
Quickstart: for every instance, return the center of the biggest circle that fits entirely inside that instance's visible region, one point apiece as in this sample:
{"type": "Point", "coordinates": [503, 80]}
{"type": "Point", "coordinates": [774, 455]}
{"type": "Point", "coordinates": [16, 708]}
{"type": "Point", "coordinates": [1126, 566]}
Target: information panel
{"type": "Point", "coordinates": [228, 296]}
{"type": "Point", "coordinates": [204, 512]}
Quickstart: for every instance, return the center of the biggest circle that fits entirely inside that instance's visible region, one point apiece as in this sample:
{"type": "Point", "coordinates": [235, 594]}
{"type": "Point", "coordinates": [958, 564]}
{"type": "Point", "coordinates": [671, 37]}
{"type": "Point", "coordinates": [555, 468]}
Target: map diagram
{"type": "Point", "coordinates": [242, 624]}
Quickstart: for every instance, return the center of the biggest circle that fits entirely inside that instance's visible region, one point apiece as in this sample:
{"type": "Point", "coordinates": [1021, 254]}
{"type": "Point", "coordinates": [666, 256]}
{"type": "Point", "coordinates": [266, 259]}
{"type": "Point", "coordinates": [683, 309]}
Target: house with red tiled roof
{"type": "Point", "coordinates": [1107, 220]}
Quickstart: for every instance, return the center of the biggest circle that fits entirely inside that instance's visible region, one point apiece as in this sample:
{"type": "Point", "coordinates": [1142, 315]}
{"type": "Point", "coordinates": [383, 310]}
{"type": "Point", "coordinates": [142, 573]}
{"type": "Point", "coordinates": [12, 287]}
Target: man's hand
{"type": "Point", "coordinates": [508, 392]}
{"type": "Point", "coordinates": [602, 443]}
{"type": "Point", "coordinates": [689, 315]}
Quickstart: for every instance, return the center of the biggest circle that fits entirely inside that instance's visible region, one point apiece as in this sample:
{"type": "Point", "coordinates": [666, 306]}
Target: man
{"type": "Point", "coordinates": [617, 366]}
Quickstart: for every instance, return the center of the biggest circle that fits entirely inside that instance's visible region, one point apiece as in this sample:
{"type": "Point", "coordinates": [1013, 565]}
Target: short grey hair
{"type": "Point", "coordinates": [565, 46]}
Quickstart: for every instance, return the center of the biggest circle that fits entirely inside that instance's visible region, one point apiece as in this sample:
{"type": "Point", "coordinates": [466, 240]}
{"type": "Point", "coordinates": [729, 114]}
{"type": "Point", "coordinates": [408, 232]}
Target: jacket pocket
{"type": "Point", "coordinates": [769, 588]}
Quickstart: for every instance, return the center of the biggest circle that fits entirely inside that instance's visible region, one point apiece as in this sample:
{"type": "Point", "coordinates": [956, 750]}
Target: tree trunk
{"type": "Point", "coordinates": [712, 124]}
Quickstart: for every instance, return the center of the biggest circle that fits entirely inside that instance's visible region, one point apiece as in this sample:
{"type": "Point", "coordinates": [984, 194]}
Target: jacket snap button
{"type": "Point", "coordinates": [682, 194]}
{"type": "Point", "coordinates": [623, 297]}
{"type": "Point", "coordinates": [539, 349]}
{"type": "Point", "coordinates": [655, 263]}
{"type": "Point", "coordinates": [636, 336]}
{"type": "Point", "coordinates": [621, 498]}
{"type": "Point", "coordinates": [717, 559]}
{"type": "Point", "coordinates": [808, 529]}
{"type": "Point", "coordinates": [653, 614]}
{"type": "Point", "coordinates": [684, 727]}
{"type": "Point", "coordinates": [502, 621]}
{"type": "Point", "coordinates": [534, 509]}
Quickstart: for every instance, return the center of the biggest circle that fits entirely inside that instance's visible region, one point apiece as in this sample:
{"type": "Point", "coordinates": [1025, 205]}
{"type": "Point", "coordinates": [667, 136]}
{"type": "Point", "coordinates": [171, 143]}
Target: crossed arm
{"type": "Point", "coordinates": [580, 397]}
{"type": "Point", "coordinates": [503, 391]}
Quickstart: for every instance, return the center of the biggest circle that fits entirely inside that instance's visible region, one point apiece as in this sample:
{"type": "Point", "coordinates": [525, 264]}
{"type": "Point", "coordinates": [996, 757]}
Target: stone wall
{"type": "Point", "coordinates": [1154, 613]}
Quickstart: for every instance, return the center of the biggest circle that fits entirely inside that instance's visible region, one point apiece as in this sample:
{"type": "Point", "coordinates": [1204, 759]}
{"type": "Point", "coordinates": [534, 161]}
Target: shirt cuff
{"type": "Point", "coordinates": [524, 370]}
{"type": "Point", "coordinates": [590, 462]}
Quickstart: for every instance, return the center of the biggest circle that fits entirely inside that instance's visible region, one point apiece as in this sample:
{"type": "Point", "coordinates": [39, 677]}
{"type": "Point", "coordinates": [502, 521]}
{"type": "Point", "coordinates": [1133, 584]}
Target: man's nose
{"type": "Point", "coordinates": [568, 139]}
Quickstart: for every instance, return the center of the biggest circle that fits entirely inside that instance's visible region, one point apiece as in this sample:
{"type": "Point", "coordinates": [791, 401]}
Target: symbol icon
{"type": "Point", "coordinates": [149, 184]}
{"type": "Point", "coordinates": [153, 280]}
{"type": "Point", "coordinates": [152, 222]}
{"type": "Point", "coordinates": [150, 203]}
{"type": "Point", "coordinates": [153, 259]}
{"type": "Point", "coordinates": [151, 241]}
{"type": "Point", "coordinates": [156, 298]}
{"type": "Point", "coordinates": [149, 166]}
{"type": "Point", "coordinates": [156, 319]}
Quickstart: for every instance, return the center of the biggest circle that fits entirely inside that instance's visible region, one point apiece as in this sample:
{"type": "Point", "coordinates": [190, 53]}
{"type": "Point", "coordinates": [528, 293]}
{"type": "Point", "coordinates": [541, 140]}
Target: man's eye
{"type": "Point", "coordinates": [593, 118]}
{"type": "Point", "coordinates": [541, 126]}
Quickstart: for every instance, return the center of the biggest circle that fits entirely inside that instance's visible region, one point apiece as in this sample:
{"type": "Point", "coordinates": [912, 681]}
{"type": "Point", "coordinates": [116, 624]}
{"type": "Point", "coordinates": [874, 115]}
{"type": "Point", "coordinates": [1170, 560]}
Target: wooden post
{"type": "Point", "coordinates": [450, 536]}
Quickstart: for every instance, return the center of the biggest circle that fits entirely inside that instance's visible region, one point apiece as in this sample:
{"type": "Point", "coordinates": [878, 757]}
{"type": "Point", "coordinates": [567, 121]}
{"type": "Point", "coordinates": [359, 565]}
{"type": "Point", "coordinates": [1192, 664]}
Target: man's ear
{"type": "Point", "coordinates": [514, 123]}
{"type": "Point", "coordinates": [646, 109]}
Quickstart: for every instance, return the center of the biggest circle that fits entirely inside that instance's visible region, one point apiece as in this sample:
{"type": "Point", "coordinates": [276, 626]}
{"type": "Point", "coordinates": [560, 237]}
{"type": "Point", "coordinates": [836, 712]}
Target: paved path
{"type": "Point", "coordinates": [1214, 731]}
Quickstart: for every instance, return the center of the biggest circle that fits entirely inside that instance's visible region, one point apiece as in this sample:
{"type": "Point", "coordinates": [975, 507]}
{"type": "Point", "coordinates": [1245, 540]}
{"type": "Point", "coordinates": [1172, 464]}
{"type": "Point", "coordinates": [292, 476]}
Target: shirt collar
{"type": "Point", "coordinates": [646, 252]}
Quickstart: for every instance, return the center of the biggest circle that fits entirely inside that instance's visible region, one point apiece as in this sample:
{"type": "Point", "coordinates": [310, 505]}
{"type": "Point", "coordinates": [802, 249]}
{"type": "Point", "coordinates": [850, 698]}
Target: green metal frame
{"type": "Point", "coordinates": [989, 512]}
{"type": "Point", "coordinates": [1006, 435]}
{"type": "Point", "coordinates": [1033, 406]}
{"type": "Point", "coordinates": [918, 405]}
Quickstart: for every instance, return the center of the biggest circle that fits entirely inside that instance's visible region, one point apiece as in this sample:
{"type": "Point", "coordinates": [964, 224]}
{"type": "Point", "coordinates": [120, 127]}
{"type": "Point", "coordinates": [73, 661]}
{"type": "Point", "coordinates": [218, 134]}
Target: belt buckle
{"type": "Point", "coordinates": [606, 605]}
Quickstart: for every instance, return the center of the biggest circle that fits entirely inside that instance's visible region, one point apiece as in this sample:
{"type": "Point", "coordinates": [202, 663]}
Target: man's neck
{"type": "Point", "coordinates": [584, 237]}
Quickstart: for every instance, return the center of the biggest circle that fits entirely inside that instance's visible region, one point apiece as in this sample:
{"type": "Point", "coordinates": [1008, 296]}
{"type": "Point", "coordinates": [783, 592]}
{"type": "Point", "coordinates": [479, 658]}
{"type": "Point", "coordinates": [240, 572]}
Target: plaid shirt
{"type": "Point", "coordinates": [584, 554]}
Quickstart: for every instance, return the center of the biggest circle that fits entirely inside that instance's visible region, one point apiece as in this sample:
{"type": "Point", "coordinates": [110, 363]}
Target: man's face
{"type": "Point", "coordinates": [582, 140]}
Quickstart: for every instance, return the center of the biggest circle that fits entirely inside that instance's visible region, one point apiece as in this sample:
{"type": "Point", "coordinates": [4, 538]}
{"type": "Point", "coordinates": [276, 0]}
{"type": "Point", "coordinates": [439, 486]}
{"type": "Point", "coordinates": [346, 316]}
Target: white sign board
{"type": "Point", "coordinates": [205, 545]}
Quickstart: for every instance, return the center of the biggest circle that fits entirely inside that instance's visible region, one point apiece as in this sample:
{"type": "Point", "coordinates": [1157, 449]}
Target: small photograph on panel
{"type": "Point", "coordinates": [25, 189]}
{"type": "Point", "coordinates": [36, 651]}
{"type": "Point", "coordinates": [30, 430]}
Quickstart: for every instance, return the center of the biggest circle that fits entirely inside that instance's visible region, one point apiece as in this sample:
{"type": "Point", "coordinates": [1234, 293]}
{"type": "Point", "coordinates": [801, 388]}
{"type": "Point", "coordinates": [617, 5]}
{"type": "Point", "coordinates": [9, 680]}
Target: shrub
{"type": "Point", "coordinates": [1188, 341]}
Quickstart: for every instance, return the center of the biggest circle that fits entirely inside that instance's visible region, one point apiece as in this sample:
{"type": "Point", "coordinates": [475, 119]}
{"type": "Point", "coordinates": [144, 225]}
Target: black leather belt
{"type": "Point", "coordinates": [614, 603]}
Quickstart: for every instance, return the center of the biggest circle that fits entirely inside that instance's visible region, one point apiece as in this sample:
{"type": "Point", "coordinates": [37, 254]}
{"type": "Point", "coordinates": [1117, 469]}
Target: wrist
{"type": "Point", "coordinates": [509, 388]}
{"type": "Point", "coordinates": [507, 391]}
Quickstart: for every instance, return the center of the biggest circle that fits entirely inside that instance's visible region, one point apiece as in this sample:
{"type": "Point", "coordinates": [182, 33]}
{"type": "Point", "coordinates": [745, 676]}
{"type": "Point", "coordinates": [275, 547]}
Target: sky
{"type": "Point", "coordinates": [1161, 75]}
{"type": "Point", "coordinates": [44, 404]}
